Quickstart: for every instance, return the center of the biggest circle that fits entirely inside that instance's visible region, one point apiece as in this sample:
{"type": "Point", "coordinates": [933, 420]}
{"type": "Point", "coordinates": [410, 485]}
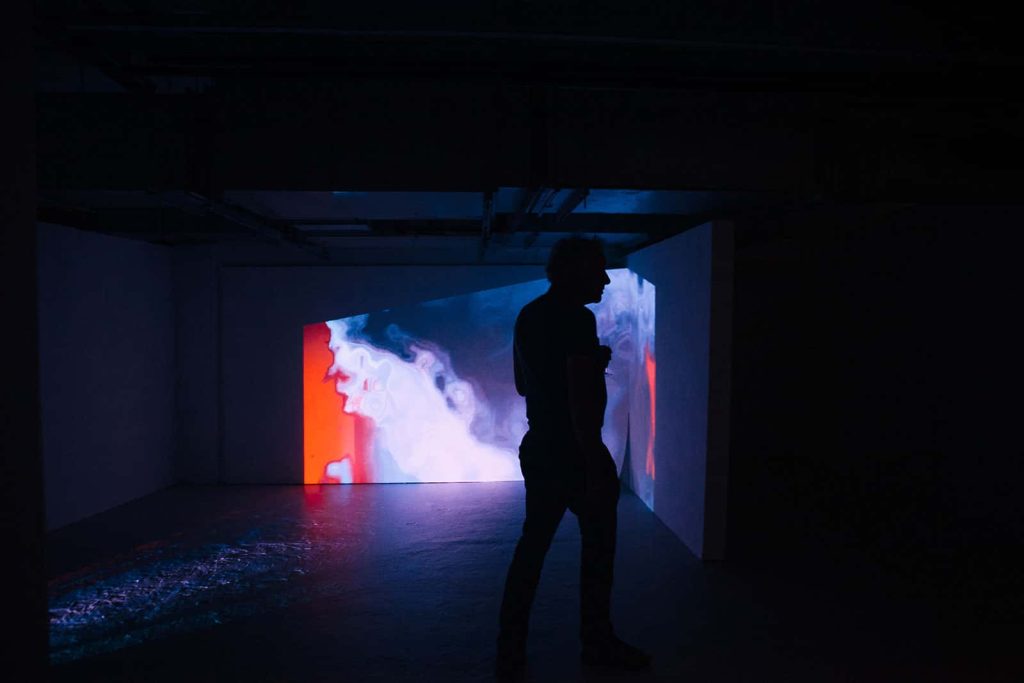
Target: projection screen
{"type": "Point", "coordinates": [424, 392]}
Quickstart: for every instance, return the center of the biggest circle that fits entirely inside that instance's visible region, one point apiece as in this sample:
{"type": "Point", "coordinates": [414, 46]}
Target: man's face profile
{"type": "Point", "coordinates": [592, 278]}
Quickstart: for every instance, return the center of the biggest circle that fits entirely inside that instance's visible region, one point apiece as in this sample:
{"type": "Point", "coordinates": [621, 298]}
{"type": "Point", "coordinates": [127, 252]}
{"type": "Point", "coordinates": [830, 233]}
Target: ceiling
{"type": "Point", "coordinates": [495, 128]}
{"type": "Point", "coordinates": [473, 222]}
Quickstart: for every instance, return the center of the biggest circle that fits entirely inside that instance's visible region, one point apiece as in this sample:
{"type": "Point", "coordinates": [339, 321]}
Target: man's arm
{"type": "Point", "coordinates": [584, 373]}
{"type": "Point", "coordinates": [586, 363]}
{"type": "Point", "coordinates": [586, 404]}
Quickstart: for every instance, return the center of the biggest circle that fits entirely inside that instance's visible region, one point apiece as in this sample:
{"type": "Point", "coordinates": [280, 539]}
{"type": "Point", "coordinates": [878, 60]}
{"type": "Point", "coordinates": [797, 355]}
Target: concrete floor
{"type": "Point", "coordinates": [403, 582]}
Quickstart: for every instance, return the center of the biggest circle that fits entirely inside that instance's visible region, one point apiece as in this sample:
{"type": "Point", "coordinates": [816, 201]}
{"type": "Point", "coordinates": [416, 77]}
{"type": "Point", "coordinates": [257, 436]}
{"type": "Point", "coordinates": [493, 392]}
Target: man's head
{"type": "Point", "coordinates": [576, 269]}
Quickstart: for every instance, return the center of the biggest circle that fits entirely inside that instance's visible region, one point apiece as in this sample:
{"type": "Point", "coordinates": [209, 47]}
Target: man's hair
{"type": "Point", "coordinates": [569, 252]}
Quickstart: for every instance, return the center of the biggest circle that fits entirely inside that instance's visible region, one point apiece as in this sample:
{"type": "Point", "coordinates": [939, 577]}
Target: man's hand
{"type": "Point", "coordinates": [604, 356]}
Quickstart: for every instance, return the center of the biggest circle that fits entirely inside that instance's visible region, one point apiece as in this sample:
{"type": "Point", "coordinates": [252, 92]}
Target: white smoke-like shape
{"type": "Point", "coordinates": [429, 424]}
{"type": "Point", "coordinates": [616, 323]}
{"type": "Point", "coordinates": [423, 427]}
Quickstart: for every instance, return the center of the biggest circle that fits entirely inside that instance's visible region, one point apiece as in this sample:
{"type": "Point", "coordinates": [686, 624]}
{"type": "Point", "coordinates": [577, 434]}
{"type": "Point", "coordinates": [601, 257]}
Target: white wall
{"type": "Point", "coordinates": [692, 274]}
{"type": "Point", "coordinates": [197, 407]}
{"type": "Point", "coordinates": [113, 396]}
{"type": "Point", "coordinates": [239, 339]}
{"type": "Point", "coordinates": [257, 437]}
{"type": "Point", "coordinates": [106, 354]}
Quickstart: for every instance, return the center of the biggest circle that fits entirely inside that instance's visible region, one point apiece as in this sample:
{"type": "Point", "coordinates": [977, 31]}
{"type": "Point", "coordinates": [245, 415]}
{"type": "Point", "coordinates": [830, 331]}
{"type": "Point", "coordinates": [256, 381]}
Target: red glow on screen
{"type": "Point", "coordinates": [650, 368]}
{"type": "Point", "coordinates": [329, 433]}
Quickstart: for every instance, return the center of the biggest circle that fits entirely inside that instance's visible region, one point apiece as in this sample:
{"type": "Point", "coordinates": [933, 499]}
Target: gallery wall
{"type": "Point", "coordinates": [197, 273]}
{"type": "Point", "coordinates": [263, 310]}
{"type": "Point", "coordinates": [240, 341]}
{"type": "Point", "coordinates": [106, 353]}
{"type": "Point", "coordinates": [692, 273]}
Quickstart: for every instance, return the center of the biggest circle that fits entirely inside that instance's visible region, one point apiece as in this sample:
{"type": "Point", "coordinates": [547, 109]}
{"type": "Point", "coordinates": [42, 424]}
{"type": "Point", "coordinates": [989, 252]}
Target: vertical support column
{"type": "Point", "coordinates": [22, 576]}
{"type": "Point", "coordinates": [719, 391]}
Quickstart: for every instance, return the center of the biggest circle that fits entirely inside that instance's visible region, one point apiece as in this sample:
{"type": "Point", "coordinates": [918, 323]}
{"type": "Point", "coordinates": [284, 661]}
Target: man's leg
{"type": "Point", "coordinates": [598, 525]}
{"type": "Point", "coordinates": [598, 522]}
{"type": "Point", "coordinates": [545, 506]}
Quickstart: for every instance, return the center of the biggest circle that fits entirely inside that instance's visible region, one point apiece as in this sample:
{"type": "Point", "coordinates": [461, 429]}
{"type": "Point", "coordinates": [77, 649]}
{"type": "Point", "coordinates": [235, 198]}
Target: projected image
{"type": "Point", "coordinates": [643, 372]}
{"type": "Point", "coordinates": [425, 392]}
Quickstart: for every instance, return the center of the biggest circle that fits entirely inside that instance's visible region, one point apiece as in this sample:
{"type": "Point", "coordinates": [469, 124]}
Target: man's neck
{"type": "Point", "coordinates": [563, 297]}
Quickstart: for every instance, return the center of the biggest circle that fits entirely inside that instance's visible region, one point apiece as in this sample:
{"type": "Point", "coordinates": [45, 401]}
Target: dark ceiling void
{"type": "Point", "coordinates": [497, 127]}
{"type": "Point", "coordinates": [872, 47]}
{"type": "Point", "coordinates": [869, 47]}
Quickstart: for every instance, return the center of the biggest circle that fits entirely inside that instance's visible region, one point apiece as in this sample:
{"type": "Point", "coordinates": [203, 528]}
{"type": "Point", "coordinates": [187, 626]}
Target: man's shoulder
{"type": "Point", "coordinates": [533, 310]}
{"type": "Point", "coordinates": [543, 318]}
{"type": "Point", "coordinates": [543, 307]}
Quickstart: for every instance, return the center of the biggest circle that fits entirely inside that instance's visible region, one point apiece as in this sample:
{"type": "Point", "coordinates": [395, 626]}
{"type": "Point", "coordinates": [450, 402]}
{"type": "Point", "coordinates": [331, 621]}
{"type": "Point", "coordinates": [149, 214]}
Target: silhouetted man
{"type": "Point", "coordinates": [559, 368]}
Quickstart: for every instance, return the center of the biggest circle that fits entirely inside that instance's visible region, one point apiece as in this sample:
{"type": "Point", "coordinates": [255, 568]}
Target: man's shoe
{"type": "Point", "coordinates": [510, 663]}
{"type": "Point", "coordinates": [614, 653]}
{"type": "Point", "coordinates": [509, 668]}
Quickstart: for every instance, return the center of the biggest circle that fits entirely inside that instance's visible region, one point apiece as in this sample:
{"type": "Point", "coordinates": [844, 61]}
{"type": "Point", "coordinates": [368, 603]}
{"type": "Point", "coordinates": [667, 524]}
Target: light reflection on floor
{"type": "Point", "coordinates": [170, 589]}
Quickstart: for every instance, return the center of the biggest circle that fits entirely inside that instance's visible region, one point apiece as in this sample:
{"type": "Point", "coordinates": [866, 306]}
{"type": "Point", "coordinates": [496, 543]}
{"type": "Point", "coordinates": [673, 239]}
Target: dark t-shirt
{"type": "Point", "coordinates": [547, 332]}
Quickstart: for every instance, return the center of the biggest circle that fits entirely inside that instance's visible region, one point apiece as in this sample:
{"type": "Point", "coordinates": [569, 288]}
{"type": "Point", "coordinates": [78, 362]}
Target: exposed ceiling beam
{"type": "Point", "coordinates": [251, 221]}
{"type": "Point", "coordinates": [91, 52]}
{"type": "Point", "coordinates": [544, 223]}
{"type": "Point", "coordinates": [526, 204]}
{"type": "Point", "coordinates": [71, 216]}
{"type": "Point", "coordinates": [574, 199]}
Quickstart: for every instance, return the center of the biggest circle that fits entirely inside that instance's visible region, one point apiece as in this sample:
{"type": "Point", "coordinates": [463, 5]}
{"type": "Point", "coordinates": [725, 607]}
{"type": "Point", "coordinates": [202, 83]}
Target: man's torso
{"type": "Point", "coordinates": [547, 333]}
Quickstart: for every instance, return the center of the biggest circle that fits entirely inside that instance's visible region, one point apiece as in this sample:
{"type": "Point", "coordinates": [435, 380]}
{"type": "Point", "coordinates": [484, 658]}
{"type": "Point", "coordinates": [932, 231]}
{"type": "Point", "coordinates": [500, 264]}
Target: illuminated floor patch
{"type": "Point", "coordinates": [169, 590]}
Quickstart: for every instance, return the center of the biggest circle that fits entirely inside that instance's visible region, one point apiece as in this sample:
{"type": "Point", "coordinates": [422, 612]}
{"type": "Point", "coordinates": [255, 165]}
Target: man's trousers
{"type": "Point", "coordinates": [556, 480]}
